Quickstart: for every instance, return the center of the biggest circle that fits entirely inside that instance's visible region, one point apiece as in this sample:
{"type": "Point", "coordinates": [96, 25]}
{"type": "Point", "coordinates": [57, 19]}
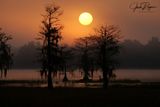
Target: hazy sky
{"type": "Point", "coordinates": [22, 18]}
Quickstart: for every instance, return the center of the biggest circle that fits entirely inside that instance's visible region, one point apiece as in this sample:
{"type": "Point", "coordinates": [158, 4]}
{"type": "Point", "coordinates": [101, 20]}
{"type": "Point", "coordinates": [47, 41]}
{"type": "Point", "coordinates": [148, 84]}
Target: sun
{"type": "Point", "coordinates": [85, 18]}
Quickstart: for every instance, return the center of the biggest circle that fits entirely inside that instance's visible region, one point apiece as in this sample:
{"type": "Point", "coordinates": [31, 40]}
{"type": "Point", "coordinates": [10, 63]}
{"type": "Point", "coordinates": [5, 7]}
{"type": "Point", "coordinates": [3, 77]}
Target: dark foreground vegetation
{"type": "Point", "coordinates": [114, 96]}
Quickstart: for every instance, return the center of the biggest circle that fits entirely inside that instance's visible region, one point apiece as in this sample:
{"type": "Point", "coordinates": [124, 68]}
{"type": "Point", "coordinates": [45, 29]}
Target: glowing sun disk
{"type": "Point", "coordinates": [85, 18]}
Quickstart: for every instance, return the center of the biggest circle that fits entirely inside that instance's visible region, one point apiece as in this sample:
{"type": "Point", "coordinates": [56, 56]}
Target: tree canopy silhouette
{"type": "Point", "coordinates": [50, 35]}
{"type": "Point", "coordinates": [106, 39]}
{"type": "Point", "coordinates": [5, 52]}
{"type": "Point", "coordinates": [66, 60]}
{"type": "Point", "coordinates": [85, 55]}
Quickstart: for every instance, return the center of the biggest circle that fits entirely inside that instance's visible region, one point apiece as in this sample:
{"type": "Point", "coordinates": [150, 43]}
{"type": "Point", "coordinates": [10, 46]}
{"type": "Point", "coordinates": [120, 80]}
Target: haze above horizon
{"type": "Point", "coordinates": [22, 19]}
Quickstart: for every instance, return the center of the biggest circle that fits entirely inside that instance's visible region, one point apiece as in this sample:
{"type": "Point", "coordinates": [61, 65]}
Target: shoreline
{"type": "Point", "coordinates": [76, 83]}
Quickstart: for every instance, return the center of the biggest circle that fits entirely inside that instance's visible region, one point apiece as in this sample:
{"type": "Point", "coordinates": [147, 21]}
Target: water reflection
{"type": "Point", "coordinates": [32, 78]}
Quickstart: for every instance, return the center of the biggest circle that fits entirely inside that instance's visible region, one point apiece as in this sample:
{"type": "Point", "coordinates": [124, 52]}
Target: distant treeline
{"type": "Point", "coordinates": [26, 57]}
{"type": "Point", "coordinates": [133, 54]}
{"type": "Point", "coordinates": [136, 55]}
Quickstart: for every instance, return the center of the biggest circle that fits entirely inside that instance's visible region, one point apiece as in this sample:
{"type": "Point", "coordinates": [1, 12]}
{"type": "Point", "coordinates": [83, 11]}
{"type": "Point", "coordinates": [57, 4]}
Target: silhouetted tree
{"type": "Point", "coordinates": [84, 53]}
{"type": "Point", "coordinates": [5, 53]}
{"type": "Point", "coordinates": [106, 39]}
{"type": "Point", "coordinates": [51, 35]}
{"type": "Point", "coordinates": [66, 60]}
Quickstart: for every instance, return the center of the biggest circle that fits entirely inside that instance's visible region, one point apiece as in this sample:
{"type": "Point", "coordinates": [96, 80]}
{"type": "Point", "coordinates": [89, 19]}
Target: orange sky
{"type": "Point", "coordinates": [22, 18]}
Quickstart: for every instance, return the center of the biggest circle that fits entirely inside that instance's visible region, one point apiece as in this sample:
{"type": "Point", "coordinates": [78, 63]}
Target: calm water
{"type": "Point", "coordinates": [145, 75]}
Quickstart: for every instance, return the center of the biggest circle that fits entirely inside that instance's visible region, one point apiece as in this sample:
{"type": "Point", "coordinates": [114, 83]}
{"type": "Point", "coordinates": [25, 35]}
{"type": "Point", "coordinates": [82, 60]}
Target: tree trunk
{"type": "Point", "coordinates": [1, 73]}
{"type": "Point", "coordinates": [65, 79]}
{"type": "Point", "coordinates": [85, 78]}
{"type": "Point", "coordinates": [105, 80]}
{"type": "Point", "coordinates": [50, 84]}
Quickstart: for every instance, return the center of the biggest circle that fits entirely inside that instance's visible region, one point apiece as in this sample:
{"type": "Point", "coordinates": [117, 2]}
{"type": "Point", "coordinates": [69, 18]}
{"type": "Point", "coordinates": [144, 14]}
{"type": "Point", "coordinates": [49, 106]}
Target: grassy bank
{"type": "Point", "coordinates": [115, 96]}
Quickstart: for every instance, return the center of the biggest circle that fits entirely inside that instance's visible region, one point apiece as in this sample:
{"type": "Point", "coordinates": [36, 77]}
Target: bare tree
{"type": "Point", "coordinates": [84, 53]}
{"type": "Point", "coordinates": [5, 53]}
{"type": "Point", "coordinates": [106, 39]}
{"type": "Point", "coordinates": [66, 60]}
{"type": "Point", "coordinates": [50, 34]}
